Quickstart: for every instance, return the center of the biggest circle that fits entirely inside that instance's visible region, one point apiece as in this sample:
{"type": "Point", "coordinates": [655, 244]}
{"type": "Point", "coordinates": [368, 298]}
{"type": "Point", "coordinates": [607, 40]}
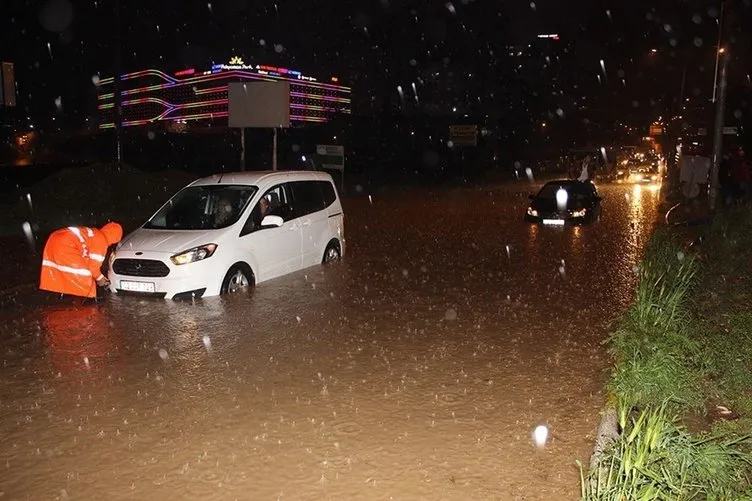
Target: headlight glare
{"type": "Point", "coordinates": [196, 254]}
{"type": "Point", "coordinates": [532, 212]}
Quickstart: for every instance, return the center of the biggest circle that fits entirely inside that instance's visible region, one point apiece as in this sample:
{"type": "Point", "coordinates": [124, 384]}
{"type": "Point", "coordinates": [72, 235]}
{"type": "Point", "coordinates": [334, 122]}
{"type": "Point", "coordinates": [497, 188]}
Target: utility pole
{"type": "Point", "coordinates": [720, 109]}
{"type": "Point", "coordinates": [116, 82]}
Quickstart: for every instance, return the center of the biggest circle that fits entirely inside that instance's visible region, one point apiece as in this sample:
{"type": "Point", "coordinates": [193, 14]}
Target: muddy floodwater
{"type": "Point", "coordinates": [418, 368]}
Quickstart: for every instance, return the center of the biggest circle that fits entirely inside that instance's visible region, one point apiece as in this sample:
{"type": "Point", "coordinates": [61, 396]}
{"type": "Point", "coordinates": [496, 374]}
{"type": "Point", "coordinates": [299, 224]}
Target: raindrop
{"type": "Point", "coordinates": [450, 144]}
{"type": "Point", "coordinates": [697, 19]}
{"type": "Point", "coordinates": [540, 435]}
{"type": "Point", "coordinates": [533, 6]}
{"type": "Point", "coordinates": [207, 342]}
{"type": "Point", "coordinates": [59, 103]}
{"type": "Point", "coordinates": [529, 174]}
{"type": "Point", "coordinates": [28, 200]}
{"type": "Point", "coordinates": [680, 256]}
{"type": "Point", "coordinates": [163, 354]}
{"type": "Point", "coordinates": [56, 15]}
{"type": "Point", "coordinates": [738, 114]}
{"type": "Point", "coordinates": [86, 362]}
{"type": "Point", "coordinates": [28, 233]}
{"type": "Point", "coordinates": [509, 251]}
{"type": "Point", "coordinates": [560, 112]}
{"type": "Point", "coordinates": [713, 12]}
{"type": "Point", "coordinates": [278, 48]}
{"type": "Point", "coordinates": [49, 48]}
{"type": "Point", "coordinates": [209, 6]}
{"type": "Point", "coordinates": [620, 73]}
{"type": "Point", "coordinates": [450, 7]}
{"type": "Point", "coordinates": [450, 315]}
{"type": "Point", "coordinates": [358, 188]}
{"type": "Point", "coordinates": [95, 79]}
{"type": "Point", "coordinates": [405, 273]}
{"type": "Point", "coordinates": [672, 42]}
{"type": "Point", "coordinates": [151, 135]}
{"type": "Point", "coordinates": [517, 165]}
{"type": "Point", "coordinates": [635, 104]}
{"type": "Point", "coordinates": [608, 15]}
{"type": "Point", "coordinates": [262, 42]}
{"type": "Point", "coordinates": [698, 42]}
{"type": "Point", "coordinates": [413, 62]}
{"type": "Point", "coordinates": [667, 27]}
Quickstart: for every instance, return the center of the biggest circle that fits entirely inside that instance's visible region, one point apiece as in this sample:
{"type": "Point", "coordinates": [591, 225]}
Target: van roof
{"type": "Point", "coordinates": [258, 178]}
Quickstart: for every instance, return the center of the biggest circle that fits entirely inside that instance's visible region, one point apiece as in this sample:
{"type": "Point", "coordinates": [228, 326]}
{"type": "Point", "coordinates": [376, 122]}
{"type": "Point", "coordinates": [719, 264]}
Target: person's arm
{"type": "Point", "coordinates": [97, 252]}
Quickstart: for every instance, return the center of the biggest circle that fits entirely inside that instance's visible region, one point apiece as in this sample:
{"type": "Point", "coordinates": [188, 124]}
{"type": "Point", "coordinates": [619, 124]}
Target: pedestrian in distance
{"type": "Point", "coordinates": [73, 257]}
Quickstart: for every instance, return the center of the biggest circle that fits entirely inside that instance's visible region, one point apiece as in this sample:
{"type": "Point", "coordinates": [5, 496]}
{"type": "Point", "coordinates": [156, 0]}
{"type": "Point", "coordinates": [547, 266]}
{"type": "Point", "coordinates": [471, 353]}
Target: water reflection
{"type": "Point", "coordinates": [79, 341]}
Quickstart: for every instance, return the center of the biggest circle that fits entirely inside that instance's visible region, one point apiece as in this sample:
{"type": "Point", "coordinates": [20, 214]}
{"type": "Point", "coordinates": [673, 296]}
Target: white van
{"type": "Point", "coordinates": [226, 233]}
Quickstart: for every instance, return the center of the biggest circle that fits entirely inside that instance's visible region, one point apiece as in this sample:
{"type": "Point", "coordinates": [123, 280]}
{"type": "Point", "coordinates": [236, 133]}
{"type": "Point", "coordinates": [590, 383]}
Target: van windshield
{"type": "Point", "coordinates": [206, 207]}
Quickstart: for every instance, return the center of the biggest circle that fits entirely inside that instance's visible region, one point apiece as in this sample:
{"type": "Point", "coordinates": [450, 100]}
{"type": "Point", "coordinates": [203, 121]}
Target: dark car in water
{"type": "Point", "coordinates": [565, 201]}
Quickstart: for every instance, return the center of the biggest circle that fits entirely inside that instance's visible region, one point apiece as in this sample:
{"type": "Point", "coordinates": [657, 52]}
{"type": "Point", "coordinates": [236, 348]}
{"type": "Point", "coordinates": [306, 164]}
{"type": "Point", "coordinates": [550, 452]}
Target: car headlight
{"type": "Point", "coordinates": [195, 254]}
{"type": "Point", "coordinates": [579, 213]}
{"type": "Point", "coordinates": [532, 212]}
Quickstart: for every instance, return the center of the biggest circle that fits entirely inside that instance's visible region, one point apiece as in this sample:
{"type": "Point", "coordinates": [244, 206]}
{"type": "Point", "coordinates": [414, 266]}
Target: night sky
{"type": "Point", "coordinates": [378, 45]}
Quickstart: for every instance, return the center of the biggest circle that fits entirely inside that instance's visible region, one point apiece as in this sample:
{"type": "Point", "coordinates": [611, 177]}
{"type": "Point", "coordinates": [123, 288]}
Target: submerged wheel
{"type": "Point", "coordinates": [332, 254]}
{"type": "Point", "coordinates": [239, 279]}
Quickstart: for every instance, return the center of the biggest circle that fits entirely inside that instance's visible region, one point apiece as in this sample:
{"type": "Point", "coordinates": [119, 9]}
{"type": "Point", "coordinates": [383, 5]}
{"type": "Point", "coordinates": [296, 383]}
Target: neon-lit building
{"type": "Point", "coordinates": [191, 97]}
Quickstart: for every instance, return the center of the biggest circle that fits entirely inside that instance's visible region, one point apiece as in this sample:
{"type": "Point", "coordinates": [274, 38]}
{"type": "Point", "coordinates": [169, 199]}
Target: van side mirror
{"type": "Point", "coordinates": [272, 222]}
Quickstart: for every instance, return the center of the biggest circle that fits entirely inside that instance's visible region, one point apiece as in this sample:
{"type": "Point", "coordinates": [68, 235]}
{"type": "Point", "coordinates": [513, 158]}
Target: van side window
{"type": "Point", "coordinates": [275, 202]}
{"type": "Point", "coordinates": [328, 191]}
{"type": "Point", "coordinates": [308, 197]}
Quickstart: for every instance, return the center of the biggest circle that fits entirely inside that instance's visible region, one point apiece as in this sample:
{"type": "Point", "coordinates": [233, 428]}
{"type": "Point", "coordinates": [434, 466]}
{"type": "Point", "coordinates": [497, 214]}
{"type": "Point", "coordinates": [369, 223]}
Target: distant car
{"type": "Point", "coordinates": [226, 233]}
{"type": "Point", "coordinates": [565, 201]}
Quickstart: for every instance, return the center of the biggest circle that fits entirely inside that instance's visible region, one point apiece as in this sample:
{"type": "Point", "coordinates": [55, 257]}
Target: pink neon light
{"type": "Point", "coordinates": [222, 74]}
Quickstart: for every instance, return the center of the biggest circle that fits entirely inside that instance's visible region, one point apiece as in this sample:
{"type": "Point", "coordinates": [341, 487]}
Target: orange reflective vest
{"type": "Point", "coordinates": [72, 261]}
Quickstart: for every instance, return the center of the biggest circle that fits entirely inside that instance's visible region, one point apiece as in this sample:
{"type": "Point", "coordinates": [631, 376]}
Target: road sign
{"type": "Point", "coordinates": [330, 156]}
{"type": "Point", "coordinates": [463, 135]}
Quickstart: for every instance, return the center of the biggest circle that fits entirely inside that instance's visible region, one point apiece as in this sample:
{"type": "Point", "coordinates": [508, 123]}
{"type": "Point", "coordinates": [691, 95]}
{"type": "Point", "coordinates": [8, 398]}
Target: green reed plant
{"type": "Point", "coordinates": [656, 459]}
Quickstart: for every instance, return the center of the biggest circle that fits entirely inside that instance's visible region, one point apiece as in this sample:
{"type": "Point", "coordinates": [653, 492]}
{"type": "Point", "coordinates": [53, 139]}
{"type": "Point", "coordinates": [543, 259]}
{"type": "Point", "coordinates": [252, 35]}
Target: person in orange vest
{"type": "Point", "coordinates": [73, 257]}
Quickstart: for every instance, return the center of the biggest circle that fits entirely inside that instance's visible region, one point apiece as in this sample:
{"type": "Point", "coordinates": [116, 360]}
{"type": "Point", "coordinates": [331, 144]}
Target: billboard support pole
{"type": "Point", "coordinates": [118, 97]}
{"type": "Point", "coordinates": [274, 151]}
{"type": "Point", "coordinates": [242, 148]}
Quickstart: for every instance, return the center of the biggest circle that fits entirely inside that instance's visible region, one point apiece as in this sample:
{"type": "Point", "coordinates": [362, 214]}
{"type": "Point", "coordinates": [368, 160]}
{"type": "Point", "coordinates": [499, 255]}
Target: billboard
{"type": "Point", "coordinates": [200, 97]}
{"type": "Point", "coordinates": [258, 104]}
{"type": "Point", "coordinates": [463, 135]}
{"type": "Point", "coordinates": [8, 87]}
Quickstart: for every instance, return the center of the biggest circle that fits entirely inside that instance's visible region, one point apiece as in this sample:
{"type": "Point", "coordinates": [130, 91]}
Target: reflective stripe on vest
{"type": "Point", "coordinates": [67, 269]}
{"type": "Point", "coordinates": [97, 257]}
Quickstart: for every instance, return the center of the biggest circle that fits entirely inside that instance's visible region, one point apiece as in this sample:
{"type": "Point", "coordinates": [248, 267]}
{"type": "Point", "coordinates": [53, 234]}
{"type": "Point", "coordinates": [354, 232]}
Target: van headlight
{"type": "Point", "coordinates": [195, 254]}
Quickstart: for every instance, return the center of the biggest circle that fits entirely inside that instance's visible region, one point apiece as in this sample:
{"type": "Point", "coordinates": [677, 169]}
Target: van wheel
{"type": "Point", "coordinates": [239, 279]}
{"type": "Point", "coordinates": [332, 254]}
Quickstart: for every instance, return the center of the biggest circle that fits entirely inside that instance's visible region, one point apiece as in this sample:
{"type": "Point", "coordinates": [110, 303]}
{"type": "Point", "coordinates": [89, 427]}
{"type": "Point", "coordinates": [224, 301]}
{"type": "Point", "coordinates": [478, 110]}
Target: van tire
{"type": "Point", "coordinates": [239, 279]}
{"type": "Point", "coordinates": [332, 254]}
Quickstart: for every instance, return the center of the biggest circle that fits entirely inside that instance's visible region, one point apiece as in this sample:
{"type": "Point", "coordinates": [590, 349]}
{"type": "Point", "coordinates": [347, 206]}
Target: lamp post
{"type": "Point", "coordinates": [720, 109]}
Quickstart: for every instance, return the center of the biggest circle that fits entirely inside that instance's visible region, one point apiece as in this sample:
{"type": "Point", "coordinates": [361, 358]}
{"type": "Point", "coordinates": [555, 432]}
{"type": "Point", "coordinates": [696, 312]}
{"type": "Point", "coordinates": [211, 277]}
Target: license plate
{"type": "Point", "coordinates": [137, 286]}
{"type": "Point", "coordinates": [553, 221]}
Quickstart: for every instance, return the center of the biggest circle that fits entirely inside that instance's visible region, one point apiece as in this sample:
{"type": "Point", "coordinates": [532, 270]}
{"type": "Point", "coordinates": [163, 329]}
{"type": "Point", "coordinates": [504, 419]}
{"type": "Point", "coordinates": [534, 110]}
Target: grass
{"type": "Point", "coordinates": [683, 349]}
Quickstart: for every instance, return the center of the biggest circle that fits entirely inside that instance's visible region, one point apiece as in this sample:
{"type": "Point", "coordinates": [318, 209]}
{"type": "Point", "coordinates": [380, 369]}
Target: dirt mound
{"type": "Point", "coordinates": [93, 194]}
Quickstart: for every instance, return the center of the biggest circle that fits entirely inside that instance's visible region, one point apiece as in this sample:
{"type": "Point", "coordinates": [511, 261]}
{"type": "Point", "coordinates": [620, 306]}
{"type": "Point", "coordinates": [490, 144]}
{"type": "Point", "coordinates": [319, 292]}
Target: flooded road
{"type": "Point", "coordinates": [418, 368]}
